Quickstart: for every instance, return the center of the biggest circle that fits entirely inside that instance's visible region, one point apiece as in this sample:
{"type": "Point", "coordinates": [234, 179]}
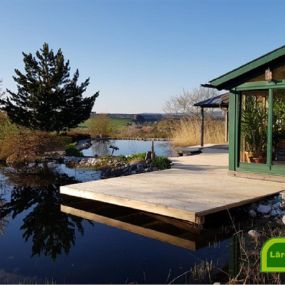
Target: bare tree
{"type": "Point", "coordinates": [1, 92]}
{"type": "Point", "coordinates": [184, 103]}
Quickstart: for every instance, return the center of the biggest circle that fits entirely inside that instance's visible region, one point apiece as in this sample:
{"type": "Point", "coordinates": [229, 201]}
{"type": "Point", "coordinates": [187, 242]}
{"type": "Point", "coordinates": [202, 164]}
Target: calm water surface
{"type": "Point", "coordinates": [127, 147]}
{"type": "Point", "coordinates": [41, 243]}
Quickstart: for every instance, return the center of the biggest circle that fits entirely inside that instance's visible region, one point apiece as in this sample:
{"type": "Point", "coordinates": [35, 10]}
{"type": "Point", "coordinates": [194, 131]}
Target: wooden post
{"type": "Point", "coordinates": [202, 126]}
{"type": "Point", "coordinates": [226, 125]}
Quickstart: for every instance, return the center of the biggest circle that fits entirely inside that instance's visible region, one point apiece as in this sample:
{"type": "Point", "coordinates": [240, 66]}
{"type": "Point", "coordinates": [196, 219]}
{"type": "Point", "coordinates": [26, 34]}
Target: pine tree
{"type": "Point", "coordinates": [48, 98]}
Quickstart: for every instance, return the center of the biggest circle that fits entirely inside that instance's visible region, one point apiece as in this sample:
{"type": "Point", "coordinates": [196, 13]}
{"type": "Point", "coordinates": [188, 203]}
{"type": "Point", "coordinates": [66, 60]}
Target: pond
{"type": "Point", "coordinates": [126, 147]}
{"type": "Point", "coordinates": [46, 237]}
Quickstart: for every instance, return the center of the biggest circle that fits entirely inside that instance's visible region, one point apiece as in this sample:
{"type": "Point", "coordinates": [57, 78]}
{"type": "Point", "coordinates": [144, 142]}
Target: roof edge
{"type": "Point", "coordinates": [249, 66]}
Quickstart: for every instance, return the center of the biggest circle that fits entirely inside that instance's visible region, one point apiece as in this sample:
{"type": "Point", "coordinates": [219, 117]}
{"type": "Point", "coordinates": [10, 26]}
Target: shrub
{"type": "Point", "coordinates": [20, 146]}
{"type": "Point", "coordinates": [136, 156]}
{"type": "Point", "coordinates": [76, 135]}
{"type": "Point", "coordinates": [161, 162]}
{"type": "Point", "coordinates": [188, 132]}
{"type": "Point", "coordinates": [100, 126]}
{"type": "Point", "coordinates": [71, 150]}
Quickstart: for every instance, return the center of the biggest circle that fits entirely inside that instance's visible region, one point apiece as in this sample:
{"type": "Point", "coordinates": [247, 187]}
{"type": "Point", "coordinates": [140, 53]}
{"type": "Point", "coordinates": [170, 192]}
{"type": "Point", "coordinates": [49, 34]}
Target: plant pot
{"type": "Point", "coordinates": [258, 159]}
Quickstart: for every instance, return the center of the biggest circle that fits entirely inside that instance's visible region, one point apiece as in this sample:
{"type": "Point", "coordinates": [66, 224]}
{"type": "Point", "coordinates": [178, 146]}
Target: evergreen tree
{"type": "Point", "coordinates": [48, 99]}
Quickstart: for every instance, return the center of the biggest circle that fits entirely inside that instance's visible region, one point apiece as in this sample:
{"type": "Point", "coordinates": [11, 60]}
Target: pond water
{"type": "Point", "coordinates": [127, 147]}
{"type": "Point", "coordinates": [46, 237]}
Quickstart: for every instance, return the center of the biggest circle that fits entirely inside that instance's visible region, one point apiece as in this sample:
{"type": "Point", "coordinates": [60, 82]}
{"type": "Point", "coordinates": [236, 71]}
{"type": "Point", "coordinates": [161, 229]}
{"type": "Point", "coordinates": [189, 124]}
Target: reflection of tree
{"type": "Point", "coordinates": [101, 148]}
{"type": "Point", "coordinates": [51, 231]}
{"type": "Point", "coordinates": [3, 220]}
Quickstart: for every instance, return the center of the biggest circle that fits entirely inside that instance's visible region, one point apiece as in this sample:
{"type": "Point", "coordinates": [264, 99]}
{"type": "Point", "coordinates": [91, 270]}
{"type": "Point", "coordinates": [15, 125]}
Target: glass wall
{"type": "Point", "coordinates": [254, 126]}
{"type": "Point", "coordinates": [278, 127]}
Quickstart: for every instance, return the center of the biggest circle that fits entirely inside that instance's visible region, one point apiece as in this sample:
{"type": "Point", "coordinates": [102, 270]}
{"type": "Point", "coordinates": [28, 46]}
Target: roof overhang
{"type": "Point", "coordinates": [238, 75]}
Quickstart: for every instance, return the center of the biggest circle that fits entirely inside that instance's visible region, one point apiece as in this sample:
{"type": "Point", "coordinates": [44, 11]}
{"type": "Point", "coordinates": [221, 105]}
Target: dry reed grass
{"type": "Point", "coordinates": [188, 132]}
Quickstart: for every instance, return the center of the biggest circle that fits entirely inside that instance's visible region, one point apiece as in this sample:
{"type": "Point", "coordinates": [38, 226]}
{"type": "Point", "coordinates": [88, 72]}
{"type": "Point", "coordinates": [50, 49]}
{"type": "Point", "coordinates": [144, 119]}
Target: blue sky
{"type": "Point", "coordinates": [138, 53]}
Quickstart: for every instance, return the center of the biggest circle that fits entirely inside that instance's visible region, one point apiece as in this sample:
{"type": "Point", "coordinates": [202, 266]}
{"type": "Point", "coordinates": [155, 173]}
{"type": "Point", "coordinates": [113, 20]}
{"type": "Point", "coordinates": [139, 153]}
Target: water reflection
{"type": "Point", "coordinates": [128, 245]}
{"type": "Point", "coordinates": [127, 147]}
{"type": "Point", "coordinates": [169, 230]}
{"type": "Point", "coordinates": [50, 231]}
{"type": "Point", "coordinates": [101, 148]}
{"type": "Point", "coordinates": [3, 220]}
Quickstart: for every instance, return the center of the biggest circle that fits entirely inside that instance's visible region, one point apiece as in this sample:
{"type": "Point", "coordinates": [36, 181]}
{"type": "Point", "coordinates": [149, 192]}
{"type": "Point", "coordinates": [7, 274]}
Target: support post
{"type": "Point", "coordinates": [226, 111]}
{"type": "Point", "coordinates": [202, 126]}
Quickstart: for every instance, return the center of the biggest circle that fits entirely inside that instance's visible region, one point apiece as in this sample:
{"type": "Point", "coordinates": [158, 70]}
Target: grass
{"type": "Point", "coordinates": [188, 132]}
{"type": "Point", "coordinates": [115, 123]}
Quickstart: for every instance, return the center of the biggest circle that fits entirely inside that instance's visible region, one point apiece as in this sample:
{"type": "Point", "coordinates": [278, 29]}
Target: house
{"type": "Point", "coordinates": [256, 114]}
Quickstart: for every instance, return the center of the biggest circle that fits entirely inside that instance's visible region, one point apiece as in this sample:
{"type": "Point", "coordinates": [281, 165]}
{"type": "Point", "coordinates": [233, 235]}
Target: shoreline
{"type": "Point", "coordinates": [131, 139]}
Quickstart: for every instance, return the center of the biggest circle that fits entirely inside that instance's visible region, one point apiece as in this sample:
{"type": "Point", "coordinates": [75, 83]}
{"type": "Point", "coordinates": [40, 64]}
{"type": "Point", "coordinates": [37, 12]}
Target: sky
{"type": "Point", "coordinates": [139, 53]}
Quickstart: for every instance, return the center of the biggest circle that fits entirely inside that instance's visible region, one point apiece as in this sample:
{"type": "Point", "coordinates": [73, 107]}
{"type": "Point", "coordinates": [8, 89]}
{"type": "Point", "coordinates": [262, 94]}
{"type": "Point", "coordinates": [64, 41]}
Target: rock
{"type": "Point", "coordinates": [282, 205]}
{"type": "Point", "coordinates": [274, 213]}
{"type": "Point", "coordinates": [254, 234]}
{"type": "Point", "coordinates": [263, 209]}
{"type": "Point", "coordinates": [140, 166]}
{"type": "Point", "coordinates": [280, 222]}
{"type": "Point", "coordinates": [148, 155]}
{"type": "Point", "coordinates": [283, 219]}
{"type": "Point", "coordinates": [276, 205]}
{"type": "Point", "coordinates": [252, 213]}
{"type": "Point", "coordinates": [282, 195]}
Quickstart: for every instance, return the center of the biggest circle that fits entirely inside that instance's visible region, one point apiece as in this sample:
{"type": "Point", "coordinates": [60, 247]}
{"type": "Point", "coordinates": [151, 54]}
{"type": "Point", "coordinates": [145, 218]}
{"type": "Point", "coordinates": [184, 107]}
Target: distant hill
{"type": "Point", "coordinates": [147, 117]}
{"type": "Point", "coordinates": [151, 117]}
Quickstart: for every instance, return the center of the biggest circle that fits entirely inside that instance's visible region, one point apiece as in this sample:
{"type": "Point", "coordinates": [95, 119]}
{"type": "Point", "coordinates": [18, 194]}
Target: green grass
{"type": "Point", "coordinates": [116, 123]}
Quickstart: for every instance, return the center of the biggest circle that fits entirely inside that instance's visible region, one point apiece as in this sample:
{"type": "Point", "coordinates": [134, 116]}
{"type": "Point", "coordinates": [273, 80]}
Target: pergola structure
{"type": "Point", "coordinates": [220, 101]}
{"type": "Point", "coordinates": [256, 114]}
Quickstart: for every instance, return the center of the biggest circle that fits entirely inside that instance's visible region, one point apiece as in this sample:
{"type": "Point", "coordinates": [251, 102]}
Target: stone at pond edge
{"type": "Point", "coordinates": [263, 209]}
{"type": "Point", "coordinates": [282, 205]}
{"type": "Point", "coordinates": [254, 234]}
{"type": "Point", "coordinates": [252, 213]}
{"type": "Point", "coordinates": [283, 220]}
{"type": "Point", "coordinates": [282, 194]}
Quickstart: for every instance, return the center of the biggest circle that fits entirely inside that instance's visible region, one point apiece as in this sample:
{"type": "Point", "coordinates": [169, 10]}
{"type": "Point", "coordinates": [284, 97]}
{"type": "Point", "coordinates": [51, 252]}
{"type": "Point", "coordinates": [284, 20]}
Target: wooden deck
{"type": "Point", "coordinates": [193, 188]}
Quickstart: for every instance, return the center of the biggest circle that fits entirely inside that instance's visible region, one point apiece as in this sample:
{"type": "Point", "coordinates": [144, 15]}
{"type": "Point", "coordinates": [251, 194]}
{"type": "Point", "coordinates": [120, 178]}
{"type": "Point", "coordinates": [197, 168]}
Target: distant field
{"type": "Point", "coordinates": [116, 123]}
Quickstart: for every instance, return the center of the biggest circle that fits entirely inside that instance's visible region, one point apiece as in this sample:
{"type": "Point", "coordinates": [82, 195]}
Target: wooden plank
{"type": "Point", "coordinates": [131, 203]}
{"type": "Point", "coordinates": [150, 233]}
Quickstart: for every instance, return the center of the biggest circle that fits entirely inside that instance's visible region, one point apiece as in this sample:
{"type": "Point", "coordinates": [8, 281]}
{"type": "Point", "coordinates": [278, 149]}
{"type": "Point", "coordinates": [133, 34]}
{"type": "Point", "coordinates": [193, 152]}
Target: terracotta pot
{"type": "Point", "coordinates": [259, 159]}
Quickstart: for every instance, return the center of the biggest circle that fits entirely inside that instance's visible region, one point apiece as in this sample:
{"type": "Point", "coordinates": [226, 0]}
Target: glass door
{"type": "Point", "coordinates": [278, 130]}
{"type": "Point", "coordinates": [254, 109]}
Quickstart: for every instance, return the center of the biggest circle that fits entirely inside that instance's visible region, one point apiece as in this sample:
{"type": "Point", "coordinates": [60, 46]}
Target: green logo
{"type": "Point", "coordinates": [273, 255]}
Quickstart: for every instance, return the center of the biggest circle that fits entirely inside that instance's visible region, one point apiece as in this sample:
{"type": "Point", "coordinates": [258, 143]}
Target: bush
{"type": "Point", "coordinates": [71, 150]}
{"type": "Point", "coordinates": [77, 136]}
{"type": "Point", "coordinates": [100, 126]}
{"type": "Point", "coordinates": [136, 157]}
{"type": "Point", "coordinates": [161, 162]}
{"type": "Point", "coordinates": [188, 132]}
{"type": "Point", "coordinates": [19, 146]}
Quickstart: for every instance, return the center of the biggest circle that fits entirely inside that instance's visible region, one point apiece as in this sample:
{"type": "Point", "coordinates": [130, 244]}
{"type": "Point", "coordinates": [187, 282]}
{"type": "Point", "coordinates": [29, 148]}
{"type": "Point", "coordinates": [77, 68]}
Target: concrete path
{"type": "Point", "coordinates": [194, 187]}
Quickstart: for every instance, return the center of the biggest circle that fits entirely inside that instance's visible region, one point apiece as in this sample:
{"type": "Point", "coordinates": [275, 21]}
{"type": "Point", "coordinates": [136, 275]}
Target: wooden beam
{"type": "Point", "coordinates": [226, 125]}
{"type": "Point", "coordinates": [202, 126]}
{"type": "Point", "coordinates": [147, 232]}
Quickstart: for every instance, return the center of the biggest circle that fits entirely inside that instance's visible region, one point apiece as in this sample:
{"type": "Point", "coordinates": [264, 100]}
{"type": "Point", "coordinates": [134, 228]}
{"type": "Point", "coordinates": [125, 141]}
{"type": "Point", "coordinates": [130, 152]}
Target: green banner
{"type": "Point", "coordinates": [272, 256]}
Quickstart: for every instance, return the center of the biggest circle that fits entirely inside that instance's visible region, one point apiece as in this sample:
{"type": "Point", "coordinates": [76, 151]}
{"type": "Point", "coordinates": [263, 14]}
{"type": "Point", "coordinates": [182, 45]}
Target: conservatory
{"type": "Point", "coordinates": [256, 114]}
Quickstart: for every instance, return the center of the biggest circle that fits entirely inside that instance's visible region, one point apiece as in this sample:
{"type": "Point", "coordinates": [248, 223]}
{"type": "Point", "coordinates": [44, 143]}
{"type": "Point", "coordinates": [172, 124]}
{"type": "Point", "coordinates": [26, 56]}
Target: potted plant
{"type": "Point", "coordinates": [254, 118]}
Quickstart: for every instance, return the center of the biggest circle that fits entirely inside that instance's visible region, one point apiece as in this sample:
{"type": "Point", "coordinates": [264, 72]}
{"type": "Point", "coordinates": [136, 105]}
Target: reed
{"type": "Point", "coordinates": [188, 132]}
